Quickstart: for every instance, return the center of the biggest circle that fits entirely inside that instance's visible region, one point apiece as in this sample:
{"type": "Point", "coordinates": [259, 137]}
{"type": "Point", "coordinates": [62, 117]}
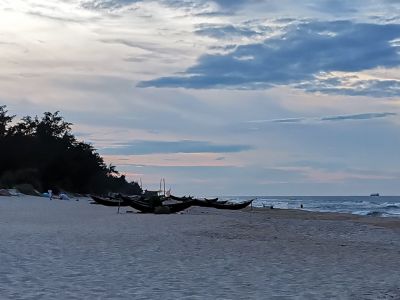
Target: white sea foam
{"type": "Point", "coordinates": [383, 206]}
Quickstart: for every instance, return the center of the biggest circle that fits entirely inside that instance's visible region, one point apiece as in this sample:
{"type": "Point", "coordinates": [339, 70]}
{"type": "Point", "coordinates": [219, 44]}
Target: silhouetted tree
{"type": "Point", "coordinates": [4, 120]}
{"type": "Point", "coordinates": [44, 153]}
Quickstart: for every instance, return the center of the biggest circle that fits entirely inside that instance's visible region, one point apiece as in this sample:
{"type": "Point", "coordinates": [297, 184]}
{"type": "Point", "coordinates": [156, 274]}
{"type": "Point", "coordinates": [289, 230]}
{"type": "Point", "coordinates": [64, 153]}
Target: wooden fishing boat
{"type": "Point", "coordinates": [145, 207]}
{"type": "Point", "coordinates": [221, 202]}
{"type": "Point", "coordinates": [141, 206]}
{"type": "Point", "coordinates": [208, 203]}
{"type": "Point", "coordinates": [184, 198]}
{"type": "Point", "coordinates": [231, 206]}
{"type": "Point", "coordinates": [213, 200]}
{"type": "Point", "coordinates": [109, 201]}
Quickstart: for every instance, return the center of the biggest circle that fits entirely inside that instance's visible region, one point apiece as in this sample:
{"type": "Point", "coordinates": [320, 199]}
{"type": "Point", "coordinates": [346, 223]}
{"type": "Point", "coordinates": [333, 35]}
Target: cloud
{"type": "Point", "coordinates": [196, 6]}
{"type": "Point", "coordinates": [53, 17]}
{"type": "Point", "coordinates": [364, 116]}
{"type": "Point", "coordinates": [225, 31]}
{"type": "Point", "coordinates": [291, 120]}
{"type": "Point", "coordinates": [353, 86]}
{"type": "Point", "coordinates": [183, 160]}
{"type": "Point", "coordinates": [107, 4]}
{"type": "Point", "coordinates": [367, 116]}
{"type": "Point", "coordinates": [318, 175]}
{"type": "Point", "coordinates": [233, 5]}
{"type": "Point", "coordinates": [120, 3]}
{"type": "Point", "coordinates": [127, 43]}
{"type": "Point", "coordinates": [334, 6]}
{"type": "Point", "coordinates": [296, 58]}
{"type": "Point", "coordinates": [184, 146]}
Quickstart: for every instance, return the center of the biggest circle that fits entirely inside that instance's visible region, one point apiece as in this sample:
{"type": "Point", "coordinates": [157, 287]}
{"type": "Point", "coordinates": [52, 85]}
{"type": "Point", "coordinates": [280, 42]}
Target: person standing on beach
{"type": "Point", "coordinates": [50, 194]}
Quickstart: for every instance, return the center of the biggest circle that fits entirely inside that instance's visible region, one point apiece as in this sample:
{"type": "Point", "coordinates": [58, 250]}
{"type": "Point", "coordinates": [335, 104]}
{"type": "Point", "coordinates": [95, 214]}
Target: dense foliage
{"type": "Point", "coordinates": [44, 153]}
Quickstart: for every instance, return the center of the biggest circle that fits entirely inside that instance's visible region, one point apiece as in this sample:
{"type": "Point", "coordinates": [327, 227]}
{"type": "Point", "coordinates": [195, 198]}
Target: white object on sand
{"type": "Point", "coordinates": [64, 196]}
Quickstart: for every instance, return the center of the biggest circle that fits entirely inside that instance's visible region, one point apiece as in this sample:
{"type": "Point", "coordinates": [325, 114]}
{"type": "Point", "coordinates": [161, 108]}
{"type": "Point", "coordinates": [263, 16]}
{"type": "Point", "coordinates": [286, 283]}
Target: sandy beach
{"type": "Point", "coordinates": [76, 250]}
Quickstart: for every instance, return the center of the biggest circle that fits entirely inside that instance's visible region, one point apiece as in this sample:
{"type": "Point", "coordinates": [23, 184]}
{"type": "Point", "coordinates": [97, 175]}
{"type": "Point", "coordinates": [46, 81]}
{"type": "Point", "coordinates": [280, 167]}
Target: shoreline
{"type": "Point", "coordinates": [389, 222]}
{"type": "Point", "coordinates": [288, 213]}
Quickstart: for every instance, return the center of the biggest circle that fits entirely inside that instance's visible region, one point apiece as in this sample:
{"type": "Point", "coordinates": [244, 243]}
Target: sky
{"type": "Point", "coordinates": [223, 97]}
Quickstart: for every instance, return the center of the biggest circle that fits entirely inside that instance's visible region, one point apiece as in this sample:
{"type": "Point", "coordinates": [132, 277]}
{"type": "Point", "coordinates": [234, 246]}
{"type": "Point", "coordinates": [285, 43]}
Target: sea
{"type": "Point", "coordinates": [379, 206]}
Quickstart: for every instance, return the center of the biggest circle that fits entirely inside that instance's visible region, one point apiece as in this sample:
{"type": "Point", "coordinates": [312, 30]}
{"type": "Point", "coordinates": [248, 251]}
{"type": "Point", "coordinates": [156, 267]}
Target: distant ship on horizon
{"type": "Point", "coordinates": [375, 195]}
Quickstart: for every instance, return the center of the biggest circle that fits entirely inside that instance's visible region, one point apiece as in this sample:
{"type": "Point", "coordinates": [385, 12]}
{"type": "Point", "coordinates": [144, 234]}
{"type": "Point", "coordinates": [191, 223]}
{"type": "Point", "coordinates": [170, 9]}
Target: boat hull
{"type": "Point", "coordinates": [109, 202]}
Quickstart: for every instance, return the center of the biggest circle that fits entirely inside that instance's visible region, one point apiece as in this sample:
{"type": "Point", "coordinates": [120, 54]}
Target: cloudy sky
{"type": "Point", "coordinates": [223, 97]}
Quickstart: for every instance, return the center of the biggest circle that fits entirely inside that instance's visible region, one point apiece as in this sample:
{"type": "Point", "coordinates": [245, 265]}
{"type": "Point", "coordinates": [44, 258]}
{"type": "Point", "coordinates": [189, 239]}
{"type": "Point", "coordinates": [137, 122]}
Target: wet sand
{"type": "Point", "coordinates": [75, 250]}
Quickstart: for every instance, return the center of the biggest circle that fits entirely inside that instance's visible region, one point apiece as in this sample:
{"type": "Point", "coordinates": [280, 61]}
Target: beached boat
{"type": "Point", "coordinates": [184, 198]}
{"type": "Point", "coordinates": [141, 206]}
{"type": "Point", "coordinates": [205, 203]}
{"type": "Point", "coordinates": [109, 201]}
{"type": "Point", "coordinates": [177, 207]}
{"type": "Point", "coordinates": [145, 207]}
{"type": "Point", "coordinates": [189, 198]}
{"type": "Point", "coordinates": [212, 200]}
{"type": "Point", "coordinates": [221, 202]}
{"type": "Point", "coordinates": [231, 206]}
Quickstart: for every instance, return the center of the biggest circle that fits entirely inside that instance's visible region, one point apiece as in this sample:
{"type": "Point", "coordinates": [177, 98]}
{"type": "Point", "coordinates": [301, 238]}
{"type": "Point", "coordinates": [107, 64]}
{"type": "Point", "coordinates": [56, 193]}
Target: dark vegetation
{"type": "Point", "coordinates": [43, 152]}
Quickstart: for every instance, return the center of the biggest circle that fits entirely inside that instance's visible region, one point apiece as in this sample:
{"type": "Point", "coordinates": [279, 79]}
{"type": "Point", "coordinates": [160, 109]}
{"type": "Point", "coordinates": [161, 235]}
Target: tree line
{"type": "Point", "coordinates": [44, 153]}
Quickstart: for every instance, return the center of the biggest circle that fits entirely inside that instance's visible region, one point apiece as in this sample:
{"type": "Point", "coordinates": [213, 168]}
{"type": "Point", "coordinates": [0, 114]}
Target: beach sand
{"type": "Point", "coordinates": [75, 250]}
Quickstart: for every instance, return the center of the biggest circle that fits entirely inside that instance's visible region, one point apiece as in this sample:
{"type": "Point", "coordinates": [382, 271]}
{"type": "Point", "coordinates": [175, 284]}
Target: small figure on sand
{"type": "Point", "coordinates": [50, 192]}
{"type": "Point", "coordinates": [301, 205]}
